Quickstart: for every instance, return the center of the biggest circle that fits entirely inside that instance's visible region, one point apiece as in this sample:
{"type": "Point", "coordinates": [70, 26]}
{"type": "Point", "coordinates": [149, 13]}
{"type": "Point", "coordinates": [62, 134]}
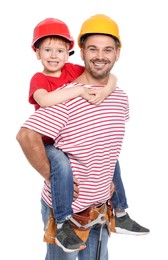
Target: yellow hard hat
{"type": "Point", "coordinates": [99, 23]}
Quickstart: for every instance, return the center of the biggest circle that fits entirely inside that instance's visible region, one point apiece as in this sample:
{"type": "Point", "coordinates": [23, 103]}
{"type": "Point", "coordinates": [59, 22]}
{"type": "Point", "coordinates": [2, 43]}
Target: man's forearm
{"type": "Point", "coordinates": [34, 150]}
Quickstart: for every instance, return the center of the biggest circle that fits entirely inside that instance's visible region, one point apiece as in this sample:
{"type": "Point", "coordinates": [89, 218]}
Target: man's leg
{"type": "Point", "coordinates": [124, 224]}
{"type": "Point", "coordinates": [54, 252]}
{"type": "Point", "coordinates": [90, 252]}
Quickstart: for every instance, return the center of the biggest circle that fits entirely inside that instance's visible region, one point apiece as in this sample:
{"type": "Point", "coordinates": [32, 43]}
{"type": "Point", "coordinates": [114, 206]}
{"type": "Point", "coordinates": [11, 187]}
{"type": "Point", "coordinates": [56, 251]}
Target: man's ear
{"type": "Point", "coordinates": [118, 54]}
{"type": "Point", "coordinates": [38, 54]}
{"type": "Point", "coordinates": [81, 53]}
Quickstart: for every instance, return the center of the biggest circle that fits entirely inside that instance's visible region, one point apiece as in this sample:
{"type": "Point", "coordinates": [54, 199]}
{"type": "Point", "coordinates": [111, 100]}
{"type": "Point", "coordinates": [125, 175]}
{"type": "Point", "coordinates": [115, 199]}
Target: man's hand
{"type": "Point", "coordinates": [112, 189]}
{"type": "Point", "coordinates": [76, 189]}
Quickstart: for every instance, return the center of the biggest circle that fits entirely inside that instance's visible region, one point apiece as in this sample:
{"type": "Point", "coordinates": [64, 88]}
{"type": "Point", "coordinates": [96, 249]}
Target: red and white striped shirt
{"type": "Point", "coordinates": [91, 136]}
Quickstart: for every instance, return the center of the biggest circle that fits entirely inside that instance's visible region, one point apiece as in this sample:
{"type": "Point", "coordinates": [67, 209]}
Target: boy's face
{"type": "Point", "coordinates": [53, 53]}
{"type": "Point", "coordinates": [99, 54]}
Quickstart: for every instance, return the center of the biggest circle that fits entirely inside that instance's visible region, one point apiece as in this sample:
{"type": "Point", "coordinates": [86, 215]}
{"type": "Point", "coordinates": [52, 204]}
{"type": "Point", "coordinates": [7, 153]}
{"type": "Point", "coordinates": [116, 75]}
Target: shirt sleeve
{"type": "Point", "coordinates": [48, 121]}
{"type": "Point", "coordinates": [127, 116]}
{"type": "Point", "coordinates": [74, 70]}
{"type": "Point", "coordinates": [38, 81]}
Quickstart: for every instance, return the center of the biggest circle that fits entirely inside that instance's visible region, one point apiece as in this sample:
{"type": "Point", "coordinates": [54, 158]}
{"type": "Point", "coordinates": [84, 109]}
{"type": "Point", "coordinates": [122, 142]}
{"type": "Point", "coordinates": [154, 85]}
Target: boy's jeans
{"type": "Point", "coordinates": [119, 199]}
{"type": "Point", "coordinates": [62, 194]}
{"type": "Point", "coordinates": [61, 183]}
{"type": "Point", "coordinates": [54, 252]}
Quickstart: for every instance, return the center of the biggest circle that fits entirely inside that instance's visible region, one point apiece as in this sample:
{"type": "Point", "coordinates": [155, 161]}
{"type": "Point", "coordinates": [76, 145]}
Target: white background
{"type": "Point", "coordinates": [142, 72]}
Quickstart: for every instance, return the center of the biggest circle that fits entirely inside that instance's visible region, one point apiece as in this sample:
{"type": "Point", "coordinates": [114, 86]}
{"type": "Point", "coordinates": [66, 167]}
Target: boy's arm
{"type": "Point", "coordinates": [111, 85]}
{"type": "Point", "coordinates": [98, 95]}
{"type": "Point", "coordinates": [44, 98]}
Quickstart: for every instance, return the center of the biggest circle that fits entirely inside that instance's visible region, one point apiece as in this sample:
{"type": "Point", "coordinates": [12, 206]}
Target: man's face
{"type": "Point", "coordinates": [99, 55]}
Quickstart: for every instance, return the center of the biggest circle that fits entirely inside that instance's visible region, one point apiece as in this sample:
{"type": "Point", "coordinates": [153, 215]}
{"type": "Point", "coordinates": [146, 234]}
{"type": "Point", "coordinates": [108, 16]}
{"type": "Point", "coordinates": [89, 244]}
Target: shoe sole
{"type": "Point", "coordinates": [127, 232]}
{"type": "Point", "coordinates": [69, 250]}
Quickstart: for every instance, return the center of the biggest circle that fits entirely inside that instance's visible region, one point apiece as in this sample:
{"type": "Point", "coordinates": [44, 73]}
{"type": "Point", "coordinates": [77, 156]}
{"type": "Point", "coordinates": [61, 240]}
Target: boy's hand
{"type": "Point", "coordinates": [97, 95]}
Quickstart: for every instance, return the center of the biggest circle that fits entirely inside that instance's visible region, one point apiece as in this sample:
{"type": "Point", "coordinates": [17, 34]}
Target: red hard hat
{"type": "Point", "coordinates": [51, 26]}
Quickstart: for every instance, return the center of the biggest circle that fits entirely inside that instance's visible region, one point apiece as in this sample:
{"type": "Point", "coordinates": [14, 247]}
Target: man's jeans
{"type": "Point", "coordinates": [62, 194]}
{"type": "Point", "coordinates": [56, 253]}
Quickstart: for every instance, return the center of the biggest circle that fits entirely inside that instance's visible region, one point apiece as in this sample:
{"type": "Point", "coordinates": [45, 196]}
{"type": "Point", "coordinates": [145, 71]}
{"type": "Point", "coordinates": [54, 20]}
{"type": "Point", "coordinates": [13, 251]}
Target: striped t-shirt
{"type": "Point", "coordinates": [91, 136]}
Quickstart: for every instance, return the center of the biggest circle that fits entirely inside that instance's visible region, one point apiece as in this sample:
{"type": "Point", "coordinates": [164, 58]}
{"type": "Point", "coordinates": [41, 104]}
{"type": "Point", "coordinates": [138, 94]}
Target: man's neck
{"type": "Point", "coordinates": [86, 79]}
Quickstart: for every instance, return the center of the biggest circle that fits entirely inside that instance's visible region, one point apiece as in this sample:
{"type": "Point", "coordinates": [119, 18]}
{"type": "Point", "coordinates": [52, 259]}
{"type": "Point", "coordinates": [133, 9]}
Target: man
{"type": "Point", "coordinates": [90, 135]}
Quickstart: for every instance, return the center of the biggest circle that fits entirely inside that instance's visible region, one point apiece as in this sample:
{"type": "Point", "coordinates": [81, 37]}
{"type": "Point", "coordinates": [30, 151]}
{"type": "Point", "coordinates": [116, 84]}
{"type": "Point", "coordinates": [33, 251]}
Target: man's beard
{"type": "Point", "coordinates": [98, 74]}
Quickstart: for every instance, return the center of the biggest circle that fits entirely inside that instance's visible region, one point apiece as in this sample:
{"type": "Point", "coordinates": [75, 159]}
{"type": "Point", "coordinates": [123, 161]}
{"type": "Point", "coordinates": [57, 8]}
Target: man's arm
{"type": "Point", "coordinates": [34, 150]}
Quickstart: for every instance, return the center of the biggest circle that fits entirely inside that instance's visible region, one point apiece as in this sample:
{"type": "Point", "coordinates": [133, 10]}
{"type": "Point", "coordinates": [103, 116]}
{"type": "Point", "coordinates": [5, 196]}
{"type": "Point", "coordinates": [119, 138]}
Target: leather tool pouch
{"type": "Point", "coordinates": [83, 218]}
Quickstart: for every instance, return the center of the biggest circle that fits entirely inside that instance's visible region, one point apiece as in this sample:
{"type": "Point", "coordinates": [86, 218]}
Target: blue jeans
{"type": "Point", "coordinates": [89, 253]}
{"type": "Point", "coordinates": [62, 185]}
{"type": "Point", "coordinates": [119, 199]}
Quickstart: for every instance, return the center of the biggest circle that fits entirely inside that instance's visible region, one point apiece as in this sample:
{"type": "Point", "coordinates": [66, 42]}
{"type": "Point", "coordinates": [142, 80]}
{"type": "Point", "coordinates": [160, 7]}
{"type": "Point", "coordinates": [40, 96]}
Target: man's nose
{"type": "Point", "coordinates": [100, 54]}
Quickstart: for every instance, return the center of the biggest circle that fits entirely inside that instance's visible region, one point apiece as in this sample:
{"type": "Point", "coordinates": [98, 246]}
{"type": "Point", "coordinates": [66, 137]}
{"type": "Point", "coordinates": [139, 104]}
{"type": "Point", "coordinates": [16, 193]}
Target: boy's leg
{"type": "Point", "coordinates": [62, 197]}
{"type": "Point", "coordinates": [54, 252]}
{"type": "Point", "coordinates": [124, 224]}
{"type": "Point", "coordinates": [61, 183]}
{"type": "Point", "coordinates": [119, 199]}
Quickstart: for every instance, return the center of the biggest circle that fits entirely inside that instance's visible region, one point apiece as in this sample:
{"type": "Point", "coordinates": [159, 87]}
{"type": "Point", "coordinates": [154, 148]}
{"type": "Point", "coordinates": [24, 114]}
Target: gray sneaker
{"type": "Point", "coordinates": [125, 225]}
{"type": "Point", "coordinates": [67, 239]}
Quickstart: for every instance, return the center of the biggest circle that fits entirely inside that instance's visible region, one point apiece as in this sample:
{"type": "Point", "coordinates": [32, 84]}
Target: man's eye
{"type": "Point", "coordinates": [92, 49]}
{"type": "Point", "coordinates": [108, 50]}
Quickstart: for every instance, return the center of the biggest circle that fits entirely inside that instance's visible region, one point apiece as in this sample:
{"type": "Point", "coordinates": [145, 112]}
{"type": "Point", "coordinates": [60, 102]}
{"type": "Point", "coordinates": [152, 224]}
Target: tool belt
{"type": "Point", "coordinates": [83, 221]}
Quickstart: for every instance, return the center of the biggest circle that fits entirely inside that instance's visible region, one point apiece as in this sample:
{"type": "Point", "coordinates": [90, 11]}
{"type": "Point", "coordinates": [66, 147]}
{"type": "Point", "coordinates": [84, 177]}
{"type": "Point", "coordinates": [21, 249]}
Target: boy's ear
{"type": "Point", "coordinates": [38, 54]}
